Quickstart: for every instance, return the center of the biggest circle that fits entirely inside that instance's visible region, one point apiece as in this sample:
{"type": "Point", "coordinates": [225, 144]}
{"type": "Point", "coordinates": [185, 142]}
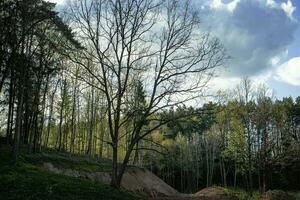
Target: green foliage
{"type": "Point", "coordinates": [257, 138]}
{"type": "Point", "coordinates": [188, 120]}
{"type": "Point", "coordinates": [296, 195]}
{"type": "Point", "coordinates": [242, 194]}
{"type": "Point", "coordinates": [236, 148]}
{"type": "Point", "coordinates": [26, 181]}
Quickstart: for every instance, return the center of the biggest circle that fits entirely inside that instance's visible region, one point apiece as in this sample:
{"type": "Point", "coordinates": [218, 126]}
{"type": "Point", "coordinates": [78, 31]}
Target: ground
{"type": "Point", "coordinates": [27, 181]}
{"type": "Point", "coordinates": [55, 175]}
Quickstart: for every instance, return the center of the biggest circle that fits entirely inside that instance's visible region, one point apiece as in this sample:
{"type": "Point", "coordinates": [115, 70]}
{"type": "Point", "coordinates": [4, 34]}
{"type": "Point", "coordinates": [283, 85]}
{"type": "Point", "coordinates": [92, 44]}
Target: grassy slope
{"type": "Point", "coordinates": [69, 161]}
{"type": "Point", "coordinates": [26, 181]}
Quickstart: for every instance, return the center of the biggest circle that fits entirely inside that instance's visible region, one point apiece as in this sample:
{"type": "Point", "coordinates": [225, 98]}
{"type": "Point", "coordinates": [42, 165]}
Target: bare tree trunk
{"type": "Point", "coordinates": [235, 173]}
{"type": "Point", "coordinates": [78, 125]}
{"type": "Point", "coordinates": [73, 120]}
{"type": "Point", "coordinates": [121, 172]}
{"type": "Point", "coordinates": [264, 160]}
{"type": "Point", "coordinates": [91, 123]}
{"type": "Point", "coordinates": [4, 76]}
{"type": "Point", "coordinates": [207, 165]}
{"type": "Point", "coordinates": [36, 103]}
{"type": "Point", "coordinates": [102, 132]}
{"type": "Point", "coordinates": [18, 125]}
{"type": "Point", "coordinates": [10, 110]}
{"type": "Point", "coordinates": [60, 124]}
{"type": "Point", "coordinates": [51, 104]}
{"type": "Point", "coordinates": [250, 181]}
{"type": "Point", "coordinates": [114, 178]}
{"type": "Point", "coordinates": [136, 155]}
{"type": "Point", "coordinates": [43, 115]}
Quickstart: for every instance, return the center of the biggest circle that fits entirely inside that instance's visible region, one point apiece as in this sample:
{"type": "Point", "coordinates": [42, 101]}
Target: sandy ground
{"type": "Point", "coordinates": [142, 180]}
{"type": "Point", "coordinates": [135, 179]}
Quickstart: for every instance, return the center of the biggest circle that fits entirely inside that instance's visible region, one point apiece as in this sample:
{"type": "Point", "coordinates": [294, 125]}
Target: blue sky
{"type": "Point", "coordinates": [261, 36]}
{"type": "Point", "coordinates": [283, 88]}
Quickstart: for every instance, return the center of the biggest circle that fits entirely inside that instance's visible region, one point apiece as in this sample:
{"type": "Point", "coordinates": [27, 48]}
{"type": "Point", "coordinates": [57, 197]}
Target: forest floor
{"type": "Point", "coordinates": [26, 181]}
{"type": "Point", "coordinates": [219, 193]}
{"type": "Point", "coordinates": [56, 175]}
{"type": "Point", "coordinates": [210, 193]}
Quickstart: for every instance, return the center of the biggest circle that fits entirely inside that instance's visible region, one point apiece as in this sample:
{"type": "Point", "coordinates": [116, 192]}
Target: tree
{"type": "Point", "coordinates": [246, 97]}
{"type": "Point", "coordinates": [130, 37]}
{"type": "Point", "coordinates": [236, 149]}
{"type": "Point", "coordinates": [33, 36]}
{"type": "Point", "coordinates": [263, 119]}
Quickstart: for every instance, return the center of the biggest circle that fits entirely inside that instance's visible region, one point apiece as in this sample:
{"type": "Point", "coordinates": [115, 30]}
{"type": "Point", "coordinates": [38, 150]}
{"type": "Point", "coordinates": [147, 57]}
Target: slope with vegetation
{"type": "Point", "coordinates": [26, 180]}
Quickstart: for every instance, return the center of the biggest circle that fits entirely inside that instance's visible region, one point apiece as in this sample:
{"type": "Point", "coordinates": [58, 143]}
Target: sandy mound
{"type": "Point", "coordinates": [215, 193]}
{"type": "Point", "coordinates": [277, 195]}
{"type": "Point", "coordinates": [138, 179]}
{"type": "Point", "coordinates": [134, 179]}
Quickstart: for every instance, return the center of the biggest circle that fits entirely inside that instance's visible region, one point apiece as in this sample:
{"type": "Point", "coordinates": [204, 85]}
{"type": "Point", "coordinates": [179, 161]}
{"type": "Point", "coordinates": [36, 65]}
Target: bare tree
{"type": "Point", "coordinates": [158, 41]}
{"type": "Point", "coordinates": [246, 95]}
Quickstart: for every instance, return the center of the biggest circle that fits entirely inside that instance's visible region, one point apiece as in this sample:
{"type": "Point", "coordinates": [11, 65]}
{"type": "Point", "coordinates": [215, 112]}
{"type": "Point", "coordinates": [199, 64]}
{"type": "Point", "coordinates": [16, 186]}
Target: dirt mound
{"type": "Point", "coordinates": [138, 179]}
{"type": "Point", "coordinates": [215, 193]}
{"type": "Point", "coordinates": [135, 179]}
{"type": "Point", "coordinates": [277, 195]}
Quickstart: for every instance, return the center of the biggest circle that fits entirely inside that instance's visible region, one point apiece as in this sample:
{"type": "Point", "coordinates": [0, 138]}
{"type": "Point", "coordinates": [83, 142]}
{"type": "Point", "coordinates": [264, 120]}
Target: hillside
{"type": "Point", "coordinates": [56, 175]}
{"type": "Point", "coordinates": [27, 181]}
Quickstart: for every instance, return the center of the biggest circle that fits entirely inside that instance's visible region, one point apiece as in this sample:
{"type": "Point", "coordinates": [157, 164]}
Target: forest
{"type": "Point", "coordinates": [126, 82]}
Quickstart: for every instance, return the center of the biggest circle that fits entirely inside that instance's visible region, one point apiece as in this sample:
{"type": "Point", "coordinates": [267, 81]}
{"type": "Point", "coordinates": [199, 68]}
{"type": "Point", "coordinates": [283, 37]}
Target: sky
{"type": "Point", "coordinates": [262, 38]}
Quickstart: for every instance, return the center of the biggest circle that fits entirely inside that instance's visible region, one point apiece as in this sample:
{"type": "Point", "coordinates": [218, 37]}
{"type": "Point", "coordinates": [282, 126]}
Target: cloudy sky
{"type": "Point", "coordinates": [261, 36]}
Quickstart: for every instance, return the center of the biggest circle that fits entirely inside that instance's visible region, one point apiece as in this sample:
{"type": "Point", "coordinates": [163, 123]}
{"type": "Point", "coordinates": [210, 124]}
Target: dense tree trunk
{"type": "Point", "coordinates": [60, 131]}
{"type": "Point", "coordinates": [10, 115]}
{"type": "Point", "coordinates": [91, 117]}
{"type": "Point", "coordinates": [114, 178]}
{"type": "Point", "coordinates": [101, 134]}
{"type": "Point", "coordinates": [51, 105]}
{"type": "Point", "coordinates": [18, 127]}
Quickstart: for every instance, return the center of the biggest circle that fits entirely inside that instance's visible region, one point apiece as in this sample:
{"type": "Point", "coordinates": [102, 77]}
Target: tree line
{"type": "Point", "coordinates": [247, 138]}
{"type": "Point", "coordinates": [32, 37]}
{"type": "Point", "coordinates": [93, 78]}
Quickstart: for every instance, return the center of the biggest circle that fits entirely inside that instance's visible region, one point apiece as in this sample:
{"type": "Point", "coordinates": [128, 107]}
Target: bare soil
{"type": "Point", "coordinates": [135, 179]}
{"type": "Point", "coordinates": [215, 193]}
{"type": "Point", "coordinates": [142, 180]}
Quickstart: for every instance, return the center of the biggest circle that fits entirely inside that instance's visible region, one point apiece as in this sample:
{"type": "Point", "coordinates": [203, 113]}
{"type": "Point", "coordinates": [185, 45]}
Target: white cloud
{"type": "Point", "coordinates": [278, 58]}
{"type": "Point", "coordinates": [224, 83]}
{"type": "Point", "coordinates": [289, 72]}
{"type": "Point", "coordinates": [229, 83]}
{"type": "Point", "coordinates": [275, 60]}
{"type": "Point", "coordinates": [218, 4]}
{"type": "Point", "coordinates": [232, 5]}
{"type": "Point", "coordinates": [256, 33]}
{"type": "Point", "coordinates": [288, 8]}
{"type": "Point", "coordinates": [57, 1]}
{"type": "Point", "coordinates": [272, 3]}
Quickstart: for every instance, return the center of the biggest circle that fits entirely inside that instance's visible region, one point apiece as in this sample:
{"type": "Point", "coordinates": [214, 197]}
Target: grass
{"type": "Point", "coordinates": [70, 161]}
{"type": "Point", "coordinates": [26, 181]}
{"type": "Point", "coordinates": [296, 195]}
{"type": "Point", "coordinates": [242, 194]}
